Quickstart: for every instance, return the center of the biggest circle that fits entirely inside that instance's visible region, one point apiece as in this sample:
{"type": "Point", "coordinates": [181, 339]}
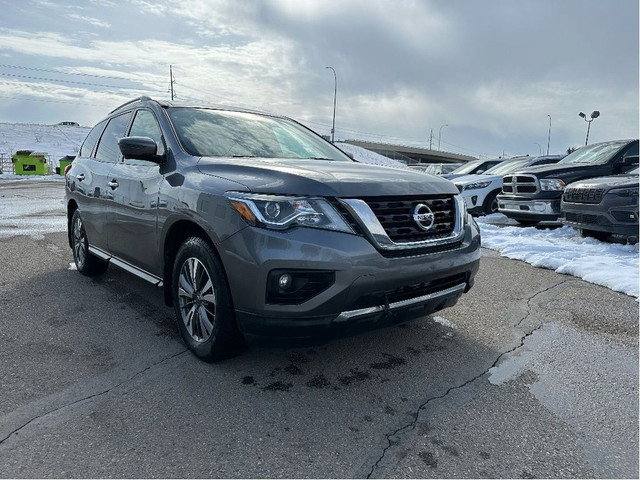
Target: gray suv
{"type": "Point", "coordinates": [254, 225]}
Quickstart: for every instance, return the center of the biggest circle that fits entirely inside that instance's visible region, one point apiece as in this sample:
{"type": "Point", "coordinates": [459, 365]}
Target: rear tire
{"type": "Point", "coordinates": [202, 302]}
{"type": "Point", "coordinates": [86, 263]}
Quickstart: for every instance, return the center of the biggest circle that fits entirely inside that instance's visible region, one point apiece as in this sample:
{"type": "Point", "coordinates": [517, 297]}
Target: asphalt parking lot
{"type": "Point", "coordinates": [532, 374]}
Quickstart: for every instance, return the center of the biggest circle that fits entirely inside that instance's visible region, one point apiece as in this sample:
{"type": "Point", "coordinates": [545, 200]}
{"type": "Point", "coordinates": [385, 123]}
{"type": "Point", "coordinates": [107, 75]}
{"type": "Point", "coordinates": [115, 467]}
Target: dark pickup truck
{"type": "Point", "coordinates": [533, 195]}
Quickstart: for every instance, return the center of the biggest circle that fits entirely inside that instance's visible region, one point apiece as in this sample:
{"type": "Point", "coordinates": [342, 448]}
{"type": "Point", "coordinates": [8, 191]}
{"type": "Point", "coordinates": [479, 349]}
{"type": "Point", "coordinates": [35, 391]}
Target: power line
{"type": "Point", "coordinates": [62, 72]}
{"type": "Point", "coordinates": [76, 83]}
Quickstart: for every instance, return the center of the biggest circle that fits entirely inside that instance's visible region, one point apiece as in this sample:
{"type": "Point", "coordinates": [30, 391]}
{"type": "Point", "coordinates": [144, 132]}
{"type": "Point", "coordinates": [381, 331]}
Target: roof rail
{"type": "Point", "coordinates": [139, 99]}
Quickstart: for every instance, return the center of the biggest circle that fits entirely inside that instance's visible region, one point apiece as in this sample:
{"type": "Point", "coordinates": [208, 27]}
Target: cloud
{"type": "Point", "coordinates": [96, 22]}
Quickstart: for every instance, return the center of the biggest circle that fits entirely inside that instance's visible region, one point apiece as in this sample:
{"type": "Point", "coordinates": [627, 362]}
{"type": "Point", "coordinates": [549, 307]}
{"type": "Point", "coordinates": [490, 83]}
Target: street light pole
{"type": "Point", "coordinates": [335, 92]}
{"type": "Point", "coordinates": [440, 134]}
{"type": "Point", "coordinates": [595, 114]}
{"type": "Point", "coordinates": [549, 136]}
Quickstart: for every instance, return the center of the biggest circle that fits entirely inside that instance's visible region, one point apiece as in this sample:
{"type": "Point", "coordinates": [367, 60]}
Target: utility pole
{"type": "Point", "coordinates": [431, 139]}
{"type": "Point", "coordinates": [171, 82]}
{"type": "Point", "coordinates": [549, 136]}
{"type": "Point", "coordinates": [335, 93]}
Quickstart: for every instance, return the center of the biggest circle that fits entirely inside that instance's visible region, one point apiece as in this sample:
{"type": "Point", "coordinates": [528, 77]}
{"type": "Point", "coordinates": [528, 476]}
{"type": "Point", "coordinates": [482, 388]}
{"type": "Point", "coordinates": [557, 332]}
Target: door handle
{"type": "Point", "coordinates": [113, 184]}
{"type": "Point", "coordinates": [80, 177]}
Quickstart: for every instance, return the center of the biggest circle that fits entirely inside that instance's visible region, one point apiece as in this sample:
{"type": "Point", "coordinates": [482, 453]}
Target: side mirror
{"type": "Point", "coordinates": [630, 159]}
{"type": "Point", "coordinates": [142, 148]}
{"type": "Point", "coordinates": [480, 171]}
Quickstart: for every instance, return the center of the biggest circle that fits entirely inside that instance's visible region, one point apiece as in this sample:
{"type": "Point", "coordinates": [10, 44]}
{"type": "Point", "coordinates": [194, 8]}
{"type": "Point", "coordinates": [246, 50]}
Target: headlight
{"type": "Point", "coordinates": [551, 184]}
{"type": "Point", "coordinates": [280, 212]}
{"type": "Point", "coordinates": [624, 192]}
{"type": "Point", "coordinates": [476, 185]}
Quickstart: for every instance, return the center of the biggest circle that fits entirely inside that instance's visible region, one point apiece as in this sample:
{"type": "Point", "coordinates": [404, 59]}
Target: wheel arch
{"type": "Point", "coordinates": [174, 238]}
{"type": "Point", "coordinates": [72, 206]}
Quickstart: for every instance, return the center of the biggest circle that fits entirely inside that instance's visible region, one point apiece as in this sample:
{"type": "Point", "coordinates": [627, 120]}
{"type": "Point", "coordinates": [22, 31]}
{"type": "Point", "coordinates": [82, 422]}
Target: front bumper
{"type": "Point", "coordinates": [613, 215]}
{"type": "Point", "coordinates": [538, 209]}
{"type": "Point", "coordinates": [369, 288]}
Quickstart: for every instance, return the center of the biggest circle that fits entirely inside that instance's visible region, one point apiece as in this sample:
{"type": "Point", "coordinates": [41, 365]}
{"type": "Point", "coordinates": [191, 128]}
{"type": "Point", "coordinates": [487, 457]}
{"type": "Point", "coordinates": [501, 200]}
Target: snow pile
{"type": "Point", "coordinates": [55, 140]}
{"type": "Point", "coordinates": [41, 213]}
{"type": "Point", "coordinates": [363, 155]}
{"type": "Point", "coordinates": [563, 250]}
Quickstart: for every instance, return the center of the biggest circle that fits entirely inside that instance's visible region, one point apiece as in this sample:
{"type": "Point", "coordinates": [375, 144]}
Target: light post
{"type": "Point", "coordinates": [549, 136]}
{"type": "Point", "coordinates": [335, 92]}
{"type": "Point", "coordinates": [595, 114]}
{"type": "Point", "coordinates": [440, 134]}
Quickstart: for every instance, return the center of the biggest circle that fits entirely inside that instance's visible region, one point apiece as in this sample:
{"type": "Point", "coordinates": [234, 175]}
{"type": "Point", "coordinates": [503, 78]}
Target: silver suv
{"type": "Point", "coordinates": [254, 225]}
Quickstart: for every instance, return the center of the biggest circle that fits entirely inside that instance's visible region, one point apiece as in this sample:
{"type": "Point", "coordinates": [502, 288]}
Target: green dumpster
{"type": "Point", "coordinates": [64, 161]}
{"type": "Point", "coordinates": [28, 162]}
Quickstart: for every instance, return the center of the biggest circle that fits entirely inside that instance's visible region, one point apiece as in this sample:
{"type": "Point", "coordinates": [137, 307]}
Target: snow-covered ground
{"type": "Point", "coordinates": [562, 249]}
{"type": "Point", "coordinates": [611, 265]}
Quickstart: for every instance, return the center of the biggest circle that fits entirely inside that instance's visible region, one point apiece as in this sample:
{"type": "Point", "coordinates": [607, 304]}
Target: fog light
{"type": "Point", "coordinates": [539, 206]}
{"type": "Point", "coordinates": [474, 200]}
{"type": "Point", "coordinates": [285, 281]}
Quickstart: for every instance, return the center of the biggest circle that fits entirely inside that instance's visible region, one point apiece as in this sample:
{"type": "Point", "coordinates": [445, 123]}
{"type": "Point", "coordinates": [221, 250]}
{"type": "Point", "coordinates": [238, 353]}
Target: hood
{"type": "Point", "coordinates": [543, 171]}
{"type": "Point", "coordinates": [323, 177]}
{"type": "Point", "coordinates": [613, 181]}
{"type": "Point", "coordinates": [467, 179]}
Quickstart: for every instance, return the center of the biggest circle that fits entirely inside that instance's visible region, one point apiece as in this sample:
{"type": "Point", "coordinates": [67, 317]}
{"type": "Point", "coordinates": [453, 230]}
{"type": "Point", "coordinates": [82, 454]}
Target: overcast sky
{"type": "Point", "coordinates": [492, 70]}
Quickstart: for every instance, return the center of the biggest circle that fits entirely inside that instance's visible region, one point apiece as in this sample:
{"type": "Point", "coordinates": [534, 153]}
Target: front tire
{"type": "Point", "coordinates": [598, 235]}
{"type": "Point", "coordinates": [202, 302]}
{"type": "Point", "coordinates": [86, 263]}
{"type": "Point", "coordinates": [528, 223]}
{"type": "Point", "coordinates": [490, 204]}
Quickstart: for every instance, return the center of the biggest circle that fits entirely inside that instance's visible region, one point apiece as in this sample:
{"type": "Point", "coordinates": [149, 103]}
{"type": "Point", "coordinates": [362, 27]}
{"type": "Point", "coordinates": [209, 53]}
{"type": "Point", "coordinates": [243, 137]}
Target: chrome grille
{"type": "Point", "coordinates": [519, 184]}
{"type": "Point", "coordinates": [583, 195]}
{"type": "Point", "coordinates": [396, 217]}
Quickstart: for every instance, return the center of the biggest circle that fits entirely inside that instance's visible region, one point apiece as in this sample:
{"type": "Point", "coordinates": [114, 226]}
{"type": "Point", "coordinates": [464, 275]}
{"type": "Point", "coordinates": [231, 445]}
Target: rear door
{"type": "Point", "coordinates": [133, 221]}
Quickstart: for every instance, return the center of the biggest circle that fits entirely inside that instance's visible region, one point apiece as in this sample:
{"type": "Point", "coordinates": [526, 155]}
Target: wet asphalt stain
{"type": "Point", "coordinates": [293, 369]}
{"type": "Point", "coordinates": [356, 376]}
{"type": "Point", "coordinates": [248, 380]}
{"type": "Point", "coordinates": [484, 455]}
{"type": "Point", "coordinates": [319, 381]}
{"type": "Point", "coordinates": [278, 387]}
{"type": "Point", "coordinates": [391, 362]}
{"type": "Point", "coordinates": [429, 459]}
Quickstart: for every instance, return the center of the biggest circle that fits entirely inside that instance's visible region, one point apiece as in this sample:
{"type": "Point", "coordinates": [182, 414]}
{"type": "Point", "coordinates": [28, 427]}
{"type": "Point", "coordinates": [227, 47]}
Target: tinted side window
{"type": "Point", "coordinates": [108, 150]}
{"type": "Point", "coordinates": [91, 140]}
{"type": "Point", "coordinates": [146, 125]}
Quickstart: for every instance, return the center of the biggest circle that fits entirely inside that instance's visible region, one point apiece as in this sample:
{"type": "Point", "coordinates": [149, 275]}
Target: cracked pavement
{"type": "Point", "coordinates": [536, 377]}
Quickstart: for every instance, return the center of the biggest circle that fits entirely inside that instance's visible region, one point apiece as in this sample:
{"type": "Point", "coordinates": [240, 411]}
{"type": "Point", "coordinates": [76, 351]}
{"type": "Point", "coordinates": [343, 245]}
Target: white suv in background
{"type": "Point", "coordinates": [480, 191]}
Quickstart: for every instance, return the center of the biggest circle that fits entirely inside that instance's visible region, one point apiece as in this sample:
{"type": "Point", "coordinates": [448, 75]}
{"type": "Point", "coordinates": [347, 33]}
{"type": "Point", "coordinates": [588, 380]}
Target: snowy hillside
{"type": "Point", "coordinates": [54, 140]}
{"type": "Point", "coordinates": [363, 155]}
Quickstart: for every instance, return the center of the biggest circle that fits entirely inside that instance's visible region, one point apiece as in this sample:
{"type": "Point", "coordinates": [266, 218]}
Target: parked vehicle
{"type": "Point", "coordinates": [253, 224]}
{"type": "Point", "coordinates": [533, 194]}
{"type": "Point", "coordinates": [603, 206]}
{"type": "Point", "coordinates": [480, 191]}
{"type": "Point", "coordinates": [475, 167]}
{"type": "Point", "coordinates": [435, 168]}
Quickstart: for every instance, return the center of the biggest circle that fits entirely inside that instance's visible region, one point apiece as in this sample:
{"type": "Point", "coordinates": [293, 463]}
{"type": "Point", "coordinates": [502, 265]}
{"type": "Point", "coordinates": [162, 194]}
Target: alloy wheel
{"type": "Point", "coordinates": [197, 299]}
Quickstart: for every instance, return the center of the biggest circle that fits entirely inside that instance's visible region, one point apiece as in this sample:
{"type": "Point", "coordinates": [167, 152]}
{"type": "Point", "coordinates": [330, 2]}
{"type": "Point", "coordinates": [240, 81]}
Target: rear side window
{"type": "Point", "coordinates": [92, 139]}
{"type": "Point", "coordinates": [108, 150]}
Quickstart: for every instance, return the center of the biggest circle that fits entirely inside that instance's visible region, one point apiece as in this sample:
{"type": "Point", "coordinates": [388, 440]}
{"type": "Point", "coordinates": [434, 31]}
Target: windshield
{"type": "Point", "coordinates": [468, 167]}
{"type": "Point", "coordinates": [221, 133]}
{"type": "Point", "coordinates": [594, 154]}
{"type": "Point", "coordinates": [506, 167]}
